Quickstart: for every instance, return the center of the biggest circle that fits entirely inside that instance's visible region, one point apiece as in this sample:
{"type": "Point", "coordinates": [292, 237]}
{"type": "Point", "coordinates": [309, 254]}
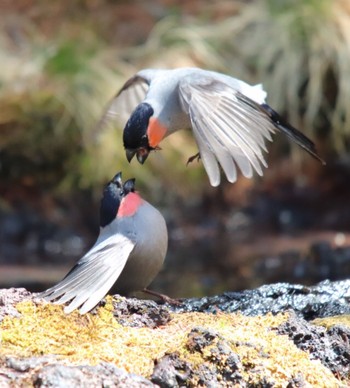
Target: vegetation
{"type": "Point", "coordinates": [262, 354]}
{"type": "Point", "coordinates": [299, 49]}
{"type": "Point", "coordinates": [57, 76]}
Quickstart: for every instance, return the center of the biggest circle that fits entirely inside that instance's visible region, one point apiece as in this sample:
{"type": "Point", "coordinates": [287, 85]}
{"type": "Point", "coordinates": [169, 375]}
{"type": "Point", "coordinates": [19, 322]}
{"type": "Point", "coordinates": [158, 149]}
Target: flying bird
{"type": "Point", "coordinates": [129, 251]}
{"type": "Point", "coordinates": [229, 118]}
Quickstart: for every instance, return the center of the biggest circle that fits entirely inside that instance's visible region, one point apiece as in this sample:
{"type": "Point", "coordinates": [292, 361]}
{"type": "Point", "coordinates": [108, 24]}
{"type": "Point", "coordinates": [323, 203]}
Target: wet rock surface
{"type": "Point", "coordinates": [220, 365]}
{"type": "Point", "coordinates": [323, 300]}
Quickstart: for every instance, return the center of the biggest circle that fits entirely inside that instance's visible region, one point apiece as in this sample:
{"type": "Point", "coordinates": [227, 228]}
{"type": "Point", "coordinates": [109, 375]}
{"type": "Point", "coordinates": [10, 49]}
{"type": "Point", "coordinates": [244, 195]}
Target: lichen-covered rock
{"type": "Point", "coordinates": [331, 347]}
{"type": "Point", "coordinates": [9, 298]}
{"type": "Point", "coordinates": [136, 343]}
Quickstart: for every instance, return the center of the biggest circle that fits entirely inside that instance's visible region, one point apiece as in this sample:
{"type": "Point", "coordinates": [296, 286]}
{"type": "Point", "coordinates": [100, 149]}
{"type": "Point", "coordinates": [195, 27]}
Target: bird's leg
{"type": "Point", "coordinates": [163, 297]}
{"type": "Point", "coordinates": [192, 158]}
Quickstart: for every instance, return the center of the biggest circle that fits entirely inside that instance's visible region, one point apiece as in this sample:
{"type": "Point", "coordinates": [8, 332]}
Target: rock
{"type": "Point", "coordinates": [49, 372]}
{"type": "Point", "coordinates": [140, 313]}
{"type": "Point", "coordinates": [8, 299]}
{"type": "Point", "coordinates": [331, 347]}
{"type": "Point", "coordinates": [171, 371]}
{"type": "Point", "coordinates": [104, 375]}
{"type": "Point", "coordinates": [323, 300]}
{"type": "Point", "coordinates": [220, 366]}
{"type": "Point", "coordinates": [203, 342]}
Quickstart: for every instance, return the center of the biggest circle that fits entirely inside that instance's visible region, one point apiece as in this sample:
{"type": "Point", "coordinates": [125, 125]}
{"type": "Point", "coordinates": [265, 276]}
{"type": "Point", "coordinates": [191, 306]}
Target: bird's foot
{"type": "Point", "coordinates": [192, 158]}
{"type": "Point", "coordinates": [163, 297]}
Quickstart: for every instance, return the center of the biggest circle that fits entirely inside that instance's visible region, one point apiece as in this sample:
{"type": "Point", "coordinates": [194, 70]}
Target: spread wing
{"type": "Point", "coordinates": [126, 100]}
{"type": "Point", "coordinates": [229, 128]}
{"type": "Point", "coordinates": [93, 276]}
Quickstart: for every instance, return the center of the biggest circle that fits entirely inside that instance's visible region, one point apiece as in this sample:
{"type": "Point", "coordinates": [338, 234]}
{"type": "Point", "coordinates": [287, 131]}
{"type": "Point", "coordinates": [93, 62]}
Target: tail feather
{"type": "Point", "coordinates": [293, 134]}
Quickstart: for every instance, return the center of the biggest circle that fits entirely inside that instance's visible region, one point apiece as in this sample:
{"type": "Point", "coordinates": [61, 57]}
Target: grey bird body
{"type": "Point", "coordinates": [129, 252]}
{"type": "Point", "coordinates": [229, 118]}
{"type": "Point", "coordinates": [148, 231]}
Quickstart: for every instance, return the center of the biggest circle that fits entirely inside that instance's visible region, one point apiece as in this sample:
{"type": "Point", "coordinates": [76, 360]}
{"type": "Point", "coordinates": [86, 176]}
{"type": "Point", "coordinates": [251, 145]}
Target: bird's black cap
{"type": "Point", "coordinates": [135, 131]}
{"type": "Point", "coordinates": [113, 193]}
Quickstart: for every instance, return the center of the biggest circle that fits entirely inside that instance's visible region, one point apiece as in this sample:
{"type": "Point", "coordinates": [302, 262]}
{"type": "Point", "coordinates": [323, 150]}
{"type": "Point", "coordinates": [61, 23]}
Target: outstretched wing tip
{"type": "Point", "coordinates": [228, 126]}
{"type": "Point", "coordinates": [93, 276]}
{"type": "Point", "coordinates": [67, 310]}
{"type": "Point", "coordinates": [124, 101]}
{"type": "Point", "coordinates": [214, 183]}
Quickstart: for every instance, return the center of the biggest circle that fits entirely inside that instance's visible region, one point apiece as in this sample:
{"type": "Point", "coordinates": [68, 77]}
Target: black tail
{"type": "Point", "coordinates": [292, 132]}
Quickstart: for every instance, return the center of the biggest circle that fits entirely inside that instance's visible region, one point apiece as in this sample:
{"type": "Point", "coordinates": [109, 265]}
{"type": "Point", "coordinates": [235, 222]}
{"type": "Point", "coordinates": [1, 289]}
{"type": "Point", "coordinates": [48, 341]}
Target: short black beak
{"type": "Point", "coordinates": [130, 154]}
{"type": "Point", "coordinates": [118, 179]}
{"type": "Point", "coordinates": [142, 155]}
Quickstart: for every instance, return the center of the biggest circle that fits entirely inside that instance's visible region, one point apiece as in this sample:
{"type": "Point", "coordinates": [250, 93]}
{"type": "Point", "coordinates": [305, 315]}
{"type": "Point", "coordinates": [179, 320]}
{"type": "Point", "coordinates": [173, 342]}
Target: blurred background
{"type": "Point", "coordinates": [61, 62]}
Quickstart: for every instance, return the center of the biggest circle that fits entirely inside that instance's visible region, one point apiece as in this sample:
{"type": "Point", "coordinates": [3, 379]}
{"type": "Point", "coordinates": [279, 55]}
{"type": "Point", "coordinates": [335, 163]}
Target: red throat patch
{"type": "Point", "coordinates": [155, 132]}
{"type": "Point", "coordinates": [129, 205]}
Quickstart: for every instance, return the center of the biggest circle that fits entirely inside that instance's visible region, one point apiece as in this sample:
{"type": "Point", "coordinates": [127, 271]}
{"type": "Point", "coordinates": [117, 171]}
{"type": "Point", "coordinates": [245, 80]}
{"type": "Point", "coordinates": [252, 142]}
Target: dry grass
{"type": "Point", "coordinates": [300, 51]}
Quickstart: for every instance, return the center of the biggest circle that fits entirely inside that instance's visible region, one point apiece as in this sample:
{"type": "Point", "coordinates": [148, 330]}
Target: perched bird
{"type": "Point", "coordinates": [230, 119]}
{"type": "Point", "coordinates": [129, 251]}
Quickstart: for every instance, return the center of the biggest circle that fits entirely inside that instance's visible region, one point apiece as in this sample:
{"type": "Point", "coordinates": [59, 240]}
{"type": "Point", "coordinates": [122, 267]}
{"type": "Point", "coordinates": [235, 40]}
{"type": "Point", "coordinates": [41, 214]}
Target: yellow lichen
{"type": "Point", "coordinates": [45, 329]}
{"type": "Point", "coordinates": [333, 321]}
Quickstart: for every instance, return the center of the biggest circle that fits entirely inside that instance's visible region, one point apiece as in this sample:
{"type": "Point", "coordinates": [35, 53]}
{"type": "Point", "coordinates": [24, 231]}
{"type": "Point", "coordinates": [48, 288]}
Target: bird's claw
{"type": "Point", "coordinates": [192, 158]}
{"type": "Point", "coordinates": [163, 297]}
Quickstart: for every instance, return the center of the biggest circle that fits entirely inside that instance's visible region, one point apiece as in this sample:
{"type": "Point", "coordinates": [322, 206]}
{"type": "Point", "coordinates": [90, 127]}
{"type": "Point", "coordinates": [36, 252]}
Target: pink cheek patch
{"type": "Point", "coordinates": [129, 205]}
